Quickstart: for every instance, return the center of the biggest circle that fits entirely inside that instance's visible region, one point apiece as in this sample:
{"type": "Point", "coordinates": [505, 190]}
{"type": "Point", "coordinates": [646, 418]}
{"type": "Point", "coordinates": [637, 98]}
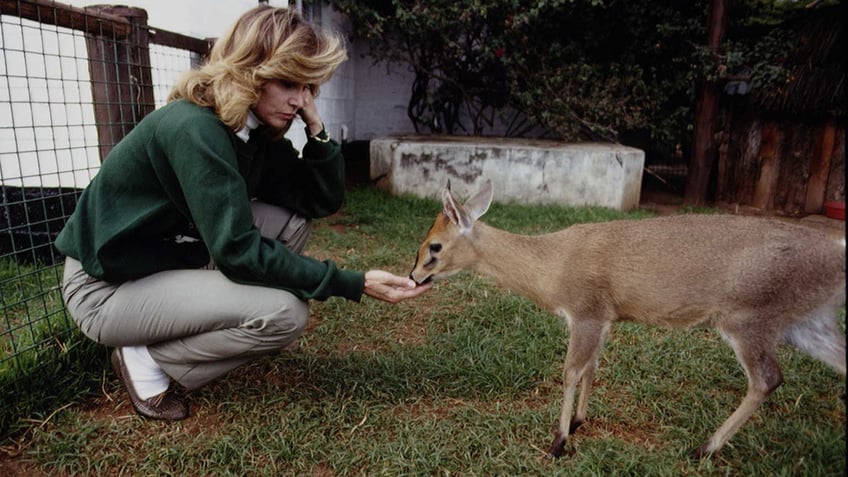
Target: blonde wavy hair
{"type": "Point", "coordinates": [264, 44]}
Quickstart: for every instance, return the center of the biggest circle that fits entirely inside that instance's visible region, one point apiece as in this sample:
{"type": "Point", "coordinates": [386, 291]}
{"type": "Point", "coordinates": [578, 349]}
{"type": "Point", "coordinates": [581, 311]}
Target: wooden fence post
{"type": "Point", "coordinates": [121, 78]}
{"type": "Point", "coordinates": [820, 160]}
{"type": "Point", "coordinates": [771, 140]}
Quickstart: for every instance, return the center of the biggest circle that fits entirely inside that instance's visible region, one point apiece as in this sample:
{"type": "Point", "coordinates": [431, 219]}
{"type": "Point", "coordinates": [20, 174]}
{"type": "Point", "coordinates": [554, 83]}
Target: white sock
{"type": "Point", "coordinates": [146, 376]}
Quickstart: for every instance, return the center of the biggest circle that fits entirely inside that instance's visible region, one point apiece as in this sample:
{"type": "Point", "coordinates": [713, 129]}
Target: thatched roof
{"type": "Point", "coordinates": [817, 67]}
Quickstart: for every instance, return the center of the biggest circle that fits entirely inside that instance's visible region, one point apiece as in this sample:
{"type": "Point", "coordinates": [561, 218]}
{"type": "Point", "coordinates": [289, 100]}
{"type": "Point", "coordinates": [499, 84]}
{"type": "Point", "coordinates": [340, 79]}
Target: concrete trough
{"type": "Point", "coordinates": [522, 171]}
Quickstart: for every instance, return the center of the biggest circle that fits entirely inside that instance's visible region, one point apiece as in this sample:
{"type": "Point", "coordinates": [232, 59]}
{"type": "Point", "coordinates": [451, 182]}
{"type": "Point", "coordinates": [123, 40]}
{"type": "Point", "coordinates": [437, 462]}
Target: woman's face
{"type": "Point", "coordinates": [280, 101]}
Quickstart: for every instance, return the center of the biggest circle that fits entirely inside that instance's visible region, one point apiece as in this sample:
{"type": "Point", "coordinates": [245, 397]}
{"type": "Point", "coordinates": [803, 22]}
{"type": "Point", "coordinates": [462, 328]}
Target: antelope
{"type": "Point", "coordinates": [757, 281]}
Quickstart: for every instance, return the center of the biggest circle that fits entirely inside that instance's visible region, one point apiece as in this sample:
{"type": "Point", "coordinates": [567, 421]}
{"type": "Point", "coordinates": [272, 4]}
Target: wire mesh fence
{"type": "Point", "coordinates": [73, 82]}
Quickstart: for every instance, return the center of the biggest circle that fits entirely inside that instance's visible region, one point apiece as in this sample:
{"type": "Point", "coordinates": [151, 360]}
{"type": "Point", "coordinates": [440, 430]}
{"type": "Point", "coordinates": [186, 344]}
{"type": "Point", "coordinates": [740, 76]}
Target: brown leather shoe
{"type": "Point", "coordinates": [162, 406]}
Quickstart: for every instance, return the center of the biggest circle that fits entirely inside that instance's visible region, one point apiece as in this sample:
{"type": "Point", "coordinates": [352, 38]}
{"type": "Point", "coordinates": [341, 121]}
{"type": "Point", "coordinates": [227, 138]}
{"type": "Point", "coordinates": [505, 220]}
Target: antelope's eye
{"type": "Point", "coordinates": [435, 247]}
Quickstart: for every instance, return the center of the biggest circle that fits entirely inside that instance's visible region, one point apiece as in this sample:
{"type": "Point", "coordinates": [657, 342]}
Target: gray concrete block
{"type": "Point", "coordinates": [522, 171]}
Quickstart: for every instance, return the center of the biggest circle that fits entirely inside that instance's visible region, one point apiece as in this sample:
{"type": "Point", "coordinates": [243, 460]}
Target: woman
{"type": "Point", "coordinates": [183, 252]}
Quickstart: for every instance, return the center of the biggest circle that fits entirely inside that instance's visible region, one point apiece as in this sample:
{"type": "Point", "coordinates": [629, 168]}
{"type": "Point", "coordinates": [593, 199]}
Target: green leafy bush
{"type": "Point", "coordinates": [569, 69]}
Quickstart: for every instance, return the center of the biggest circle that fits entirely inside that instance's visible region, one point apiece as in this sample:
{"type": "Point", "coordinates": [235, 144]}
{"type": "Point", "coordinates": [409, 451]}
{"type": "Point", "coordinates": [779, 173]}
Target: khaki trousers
{"type": "Point", "coordinates": [197, 324]}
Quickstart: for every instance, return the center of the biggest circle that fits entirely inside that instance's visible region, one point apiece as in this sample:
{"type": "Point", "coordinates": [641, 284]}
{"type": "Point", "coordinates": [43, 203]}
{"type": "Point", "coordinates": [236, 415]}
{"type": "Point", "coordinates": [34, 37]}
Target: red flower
{"type": "Point", "coordinates": [499, 52]}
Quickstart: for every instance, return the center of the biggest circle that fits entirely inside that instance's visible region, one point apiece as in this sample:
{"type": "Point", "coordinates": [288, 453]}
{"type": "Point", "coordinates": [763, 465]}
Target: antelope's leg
{"type": "Point", "coordinates": [583, 399]}
{"type": "Point", "coordinates": [584, 346]}
{"type": "Point", "coordinates": [756, 354]}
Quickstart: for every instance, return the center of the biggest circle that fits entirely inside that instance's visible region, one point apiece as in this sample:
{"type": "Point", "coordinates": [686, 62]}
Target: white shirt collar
{"type": "Point", "coordinates": [252, 123]}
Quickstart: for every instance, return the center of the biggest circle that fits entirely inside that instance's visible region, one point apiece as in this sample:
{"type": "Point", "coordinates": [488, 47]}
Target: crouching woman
{"type": "Point", "coordinates": [184, 253]}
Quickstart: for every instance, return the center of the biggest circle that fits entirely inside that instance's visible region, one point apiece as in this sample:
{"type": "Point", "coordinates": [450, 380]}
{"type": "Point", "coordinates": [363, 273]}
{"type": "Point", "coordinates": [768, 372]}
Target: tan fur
{"type": "Point", "coordinates": [758, 281]}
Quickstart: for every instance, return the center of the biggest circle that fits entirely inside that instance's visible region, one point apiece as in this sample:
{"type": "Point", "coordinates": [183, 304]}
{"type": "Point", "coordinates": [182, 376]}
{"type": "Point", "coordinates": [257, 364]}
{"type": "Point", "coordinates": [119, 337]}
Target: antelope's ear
{"type": "Point", "coordinates": [449, 205]}
{"type": "Point", "coordinates": [480, 202]}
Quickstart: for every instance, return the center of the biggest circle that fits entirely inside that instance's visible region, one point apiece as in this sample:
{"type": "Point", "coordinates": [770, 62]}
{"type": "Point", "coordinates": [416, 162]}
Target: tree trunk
{"type": "Point", "coordinates": [706, 110]}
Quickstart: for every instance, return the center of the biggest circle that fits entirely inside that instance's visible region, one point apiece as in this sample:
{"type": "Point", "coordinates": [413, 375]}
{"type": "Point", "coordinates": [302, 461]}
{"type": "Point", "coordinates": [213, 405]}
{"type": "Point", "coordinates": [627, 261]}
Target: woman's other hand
{"type": "Point", "coordinates": [309, 113]}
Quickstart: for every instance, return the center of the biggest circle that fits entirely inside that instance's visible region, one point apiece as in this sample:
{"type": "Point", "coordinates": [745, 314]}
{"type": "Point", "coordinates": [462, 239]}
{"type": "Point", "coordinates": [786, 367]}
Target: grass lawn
{"type": "Point", "coordinates": [465, 380]}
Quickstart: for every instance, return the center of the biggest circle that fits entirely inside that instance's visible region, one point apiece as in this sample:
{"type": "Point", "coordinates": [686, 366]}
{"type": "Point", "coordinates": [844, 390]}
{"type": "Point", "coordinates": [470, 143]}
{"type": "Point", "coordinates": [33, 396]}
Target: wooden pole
{"type": "Point", "coordinates": [706, 110]}
{"type": "Point", "coordinates": [121, 78]}
{"type": "Point", "coordinates": [60, 14]}
{"type": "Point", "coordinates": [820, 167]}
{"type": "Point", "coordinates": [769, 165]}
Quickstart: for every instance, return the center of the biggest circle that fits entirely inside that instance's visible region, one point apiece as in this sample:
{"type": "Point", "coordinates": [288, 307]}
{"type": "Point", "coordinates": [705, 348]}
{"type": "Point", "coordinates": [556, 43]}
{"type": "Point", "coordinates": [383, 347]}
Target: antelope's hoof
{"type": "Point", "coordinates": [700, 452]}
{"type": "Point", "coordinates": [575, 424]}
{"type": "Point", "coordinates": [557, 448]}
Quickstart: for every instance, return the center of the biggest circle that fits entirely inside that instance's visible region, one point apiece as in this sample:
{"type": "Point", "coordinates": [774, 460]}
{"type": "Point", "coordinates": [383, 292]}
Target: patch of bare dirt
{"type": "Point", "coordinates": [665, 202]}
{"type": "Point", "coordinates": [641, 436]}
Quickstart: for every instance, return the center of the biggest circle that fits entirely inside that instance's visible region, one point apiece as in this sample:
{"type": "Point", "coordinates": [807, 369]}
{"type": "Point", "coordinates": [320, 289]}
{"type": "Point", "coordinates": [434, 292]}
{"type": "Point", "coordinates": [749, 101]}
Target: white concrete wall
{"type": "Point", "coordinates": [382, 96]}
{"type": "Point", "coordinates": [382, 92]}
{"type": "Point", "coordinates": [47, 130]}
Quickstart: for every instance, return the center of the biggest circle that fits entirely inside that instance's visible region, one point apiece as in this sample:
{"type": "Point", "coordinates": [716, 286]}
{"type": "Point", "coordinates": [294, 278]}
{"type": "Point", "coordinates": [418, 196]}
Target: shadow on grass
{"type": "Point", "coordinates": [69, 371]}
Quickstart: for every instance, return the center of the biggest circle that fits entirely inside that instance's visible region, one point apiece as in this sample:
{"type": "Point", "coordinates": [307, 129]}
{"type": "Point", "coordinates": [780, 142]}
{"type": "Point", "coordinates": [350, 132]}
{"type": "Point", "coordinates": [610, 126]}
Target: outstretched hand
{"type": "Point", "coordinates": [392, 288]}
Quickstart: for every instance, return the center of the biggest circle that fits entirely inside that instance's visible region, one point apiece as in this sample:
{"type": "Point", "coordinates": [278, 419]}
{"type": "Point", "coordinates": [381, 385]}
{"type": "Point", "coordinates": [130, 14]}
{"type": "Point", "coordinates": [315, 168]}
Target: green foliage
{"type": "Point", "coordinates": [578, 69]}
{"type": "Point", "coordinates": [601, 71]}
{"type": "Point", "coordinates": [759, 45]}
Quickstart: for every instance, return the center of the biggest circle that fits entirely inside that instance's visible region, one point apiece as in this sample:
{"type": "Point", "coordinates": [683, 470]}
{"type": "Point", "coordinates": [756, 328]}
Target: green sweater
{"type": "Point", "coordinates": [183, 172]}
